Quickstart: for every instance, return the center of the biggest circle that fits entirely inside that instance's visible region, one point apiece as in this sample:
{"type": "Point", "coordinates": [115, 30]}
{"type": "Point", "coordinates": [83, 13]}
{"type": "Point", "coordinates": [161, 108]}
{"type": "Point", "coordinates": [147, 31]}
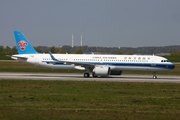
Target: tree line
{"type": "Point", "coordinates": [173, 50]}
{"type": "Point", "coordinates": [13, 50]}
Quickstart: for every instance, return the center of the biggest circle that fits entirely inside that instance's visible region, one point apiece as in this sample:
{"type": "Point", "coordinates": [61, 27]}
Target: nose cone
{"type": "Point", "coordinates": [172, 66]}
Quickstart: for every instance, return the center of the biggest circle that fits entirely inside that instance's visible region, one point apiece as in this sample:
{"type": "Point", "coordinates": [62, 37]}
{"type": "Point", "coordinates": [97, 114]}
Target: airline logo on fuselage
{"type": "Point", "coordinates": [22, 45]}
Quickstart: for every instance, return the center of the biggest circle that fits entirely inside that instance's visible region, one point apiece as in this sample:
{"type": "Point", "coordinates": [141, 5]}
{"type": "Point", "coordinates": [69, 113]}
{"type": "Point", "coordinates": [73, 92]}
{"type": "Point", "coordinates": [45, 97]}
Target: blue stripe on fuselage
{"type": "Point", "coordinates": [152, 65]}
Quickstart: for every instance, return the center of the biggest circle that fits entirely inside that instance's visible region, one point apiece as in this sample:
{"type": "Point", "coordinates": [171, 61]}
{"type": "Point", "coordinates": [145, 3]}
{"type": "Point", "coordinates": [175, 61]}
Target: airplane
{"type": "Point", "coordinates": [96, 64]}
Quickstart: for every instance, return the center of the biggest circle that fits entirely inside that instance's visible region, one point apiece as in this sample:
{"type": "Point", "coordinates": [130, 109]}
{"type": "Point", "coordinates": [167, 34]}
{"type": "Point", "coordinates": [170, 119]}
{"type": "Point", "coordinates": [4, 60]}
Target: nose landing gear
{"type": "Point", "coordinates": [154, 75]}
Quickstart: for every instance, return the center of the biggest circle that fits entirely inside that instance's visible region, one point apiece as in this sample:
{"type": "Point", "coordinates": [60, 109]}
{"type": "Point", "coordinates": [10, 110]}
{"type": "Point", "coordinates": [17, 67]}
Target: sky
{"type": "Point", "coordinates": [105, 23]}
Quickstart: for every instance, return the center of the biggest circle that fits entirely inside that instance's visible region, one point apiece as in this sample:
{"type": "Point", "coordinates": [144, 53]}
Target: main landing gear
{"type": "Point", "coordinates": [86, 75]}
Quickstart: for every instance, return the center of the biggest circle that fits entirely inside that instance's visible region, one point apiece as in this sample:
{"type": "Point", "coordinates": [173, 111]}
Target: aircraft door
{"type": "Point", "coordinates": [36, 60]}
{"type": "Point", "coordinates": [153, 63]}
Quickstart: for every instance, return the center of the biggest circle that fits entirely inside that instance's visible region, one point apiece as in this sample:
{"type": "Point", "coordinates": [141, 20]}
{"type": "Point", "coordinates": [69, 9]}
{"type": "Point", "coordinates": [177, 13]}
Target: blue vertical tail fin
{"type": "Point", "coordinates": [23, 45]}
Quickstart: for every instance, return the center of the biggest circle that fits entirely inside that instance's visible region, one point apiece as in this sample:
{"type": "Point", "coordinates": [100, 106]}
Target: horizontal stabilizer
{"type": "Point", "coordinates": [20, 58]}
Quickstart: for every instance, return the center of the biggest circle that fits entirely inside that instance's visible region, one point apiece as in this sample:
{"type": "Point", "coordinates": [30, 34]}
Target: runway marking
{"type": "Point", "coordinates": [79, 77]}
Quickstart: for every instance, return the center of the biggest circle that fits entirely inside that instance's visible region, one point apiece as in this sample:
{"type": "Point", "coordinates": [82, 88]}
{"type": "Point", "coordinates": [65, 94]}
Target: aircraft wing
{"type": "Point", "coordinates": [72, 62]}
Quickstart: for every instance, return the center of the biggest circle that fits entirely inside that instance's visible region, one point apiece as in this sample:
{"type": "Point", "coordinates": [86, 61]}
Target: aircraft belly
{"type": "Point", "coordinates": [63, 67]}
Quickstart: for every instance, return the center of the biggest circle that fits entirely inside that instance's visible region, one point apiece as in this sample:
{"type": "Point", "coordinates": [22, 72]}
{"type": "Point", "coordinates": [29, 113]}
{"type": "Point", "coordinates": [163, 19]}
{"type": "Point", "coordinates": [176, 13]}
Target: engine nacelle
{"type": "Point", "coordinates": [115, 72]}
{"type": "Point", "coordinates": [101, 70]}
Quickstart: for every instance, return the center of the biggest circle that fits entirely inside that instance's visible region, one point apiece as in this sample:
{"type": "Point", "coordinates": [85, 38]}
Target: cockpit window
{"type": "Point", "coordinates": [164, 61]}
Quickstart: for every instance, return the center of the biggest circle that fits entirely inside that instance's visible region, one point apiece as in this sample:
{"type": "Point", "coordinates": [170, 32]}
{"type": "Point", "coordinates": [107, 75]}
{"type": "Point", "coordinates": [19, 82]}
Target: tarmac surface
{"type": "Point", "coordinates": [79, 77]}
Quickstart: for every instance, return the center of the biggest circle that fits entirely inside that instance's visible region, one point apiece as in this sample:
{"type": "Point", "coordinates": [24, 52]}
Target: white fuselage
{"type": "Point", "coordinates": [115, 62]}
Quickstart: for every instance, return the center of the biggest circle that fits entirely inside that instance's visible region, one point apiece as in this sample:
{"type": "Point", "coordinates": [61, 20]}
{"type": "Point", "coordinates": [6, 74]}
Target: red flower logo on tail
{"type": "Point", "coordinates": [22, 45]}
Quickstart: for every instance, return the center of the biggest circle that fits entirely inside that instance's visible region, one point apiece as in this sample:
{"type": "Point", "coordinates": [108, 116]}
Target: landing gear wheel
{"type": "Point", "coordinates": [154, 76]}
{"type": "Point", "coordinates": [94, 75]}
{"type": "Point", "coordinates": [86, 75]}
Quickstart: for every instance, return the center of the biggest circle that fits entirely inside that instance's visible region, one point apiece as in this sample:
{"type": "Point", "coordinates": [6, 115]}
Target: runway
{"type": "Point", "coordinates": [79, 77]}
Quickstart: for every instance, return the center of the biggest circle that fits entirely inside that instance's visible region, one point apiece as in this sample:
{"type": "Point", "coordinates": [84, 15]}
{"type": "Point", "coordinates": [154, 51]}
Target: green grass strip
{"type": "Point", "coordinates": [82, 100]}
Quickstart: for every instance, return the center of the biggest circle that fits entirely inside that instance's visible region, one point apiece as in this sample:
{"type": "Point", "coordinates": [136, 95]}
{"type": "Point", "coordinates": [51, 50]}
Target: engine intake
{"type": "Point", "coordinates": [101, 70]}
{"type": "Point", "coordinates": [105, 70]}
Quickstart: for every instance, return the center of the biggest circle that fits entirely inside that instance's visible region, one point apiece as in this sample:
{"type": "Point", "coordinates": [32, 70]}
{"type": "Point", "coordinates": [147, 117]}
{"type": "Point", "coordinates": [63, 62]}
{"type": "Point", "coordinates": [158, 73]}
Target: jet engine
{"type": "Point", "coordinates": [101, 70]}
{"type": "Point", "coordinates": [105, 70]}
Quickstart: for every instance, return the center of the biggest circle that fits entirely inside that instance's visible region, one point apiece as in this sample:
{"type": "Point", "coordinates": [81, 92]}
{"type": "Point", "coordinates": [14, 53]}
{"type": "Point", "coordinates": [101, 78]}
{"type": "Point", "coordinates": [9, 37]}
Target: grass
{"type": "Point", "coordinates": [6, 66]}
{"type": "Point", "coordinates": [5, 57]}
{"type": "Point", "coordinates": [82, 100]}
{"type": "Point", "coordinates": [173, 58]}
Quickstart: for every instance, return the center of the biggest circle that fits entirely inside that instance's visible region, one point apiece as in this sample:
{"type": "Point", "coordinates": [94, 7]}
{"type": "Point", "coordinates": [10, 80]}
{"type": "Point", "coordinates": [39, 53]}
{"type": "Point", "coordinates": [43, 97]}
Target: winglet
{"type": "Point", "coordinates": [52, 57]}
